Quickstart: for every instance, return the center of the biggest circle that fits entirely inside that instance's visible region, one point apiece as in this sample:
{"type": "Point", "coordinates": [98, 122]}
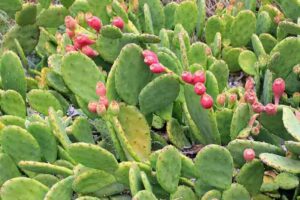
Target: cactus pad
{"type": "Point", "coordinates": [236, 192]}
{"type": "Point", "coordinates": [29, 188]}
{"type": "Point", "coordinates": [247, 61]}
{"type": "Point", "coordinates": [91, 181]}
{"type": "Point", "coordinates": [46, 179]}
{"type": "Point", "coordinates": [291, 123]}
{"type": "Point", "coordinates": [168, 168]}
{"type": "Point", "coordinates": [61, 190]}
{"type": "Point", "coordinates": [176, 134]}
{"type": "Point", "coordinates": [135, 179]}
{"type": "Point", "coordinates": [251, 176]}
{"type": "Point", "coordinates": [8, 168]}
{"type": "Point", "coordinates": [46, 140]}
{"type": "Point", "coordinates": [209, 162]}
{"type": "Point", "coordinates": [287, 181]}
{"type": "Point", "coordinates": [132, 74]}
{"type": "Point", "coordinates": [44, 168]}
{"type": "Point", "coordinates": [52, 17]}
{"type": "Point", "coordinates": [144, 195]}
{"type": "Point", "coordinates": [280, 163]}
{"type": "Point", "coordinates": [42, 100]}
{"type": "Point", "coordinates": [237, 147]}
{"type": "Point", "coordinates": [186, 14]}
{"type": "Point", "coordinates": [12, 103]}
{"type": "Point", "coordinates": [240, 120]}
{"type": "Point", "coordinates": [20, 144]}
{"type": "Point", "coordinates": [12, 73]}
{"type": "Point", "coordinates": [27, 15]}
{"type": "Point", "coordinates": [159, 93]}
{"type": "Point", "coordinates": [82, 131]}
{"type": "Point", "coordinates": [183, 192]}
{"type": "Point", "coordinates": [93, 156]}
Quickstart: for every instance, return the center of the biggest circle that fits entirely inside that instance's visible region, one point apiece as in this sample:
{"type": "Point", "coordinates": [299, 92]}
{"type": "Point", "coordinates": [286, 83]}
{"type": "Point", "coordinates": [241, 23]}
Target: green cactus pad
{"type": "Point", "coordinates": [144, 195]}
{"type": "Point", "coordinates": [8, 168]}
{"type": "Point", "coordinates": [72, 71]}
{"type": "Point", "coordinates": [159, 93]}
{"type": "Point", "coordinates": [209, 162]}
{"type": "Point", "coordinates": [99, 9]}
{"type": "Point", "coordinates": [201, 5]}
{"type": "Point", "coordinates": [237, 147]}
{"type": "Point", "coordinates": [27, 36]}
{"type": "Point", "coordinates": [293, 147]}
{"type": "Point", "coordinates": [169, 61]}
{"type": "Point", "coordinates": [240, 120]}
{"type": "Point", "coordinates": [186, 14]}
{"type": "Point", "coordinates": [236, 192]}
{"type": "Point", "coordinates": [91, 181]}
{"type": "Point", "coordinates": [146, 182]}
{"type": "Point", "coordinates": [148, 24]}
{"type": "Point", "coordinates": [64, 163]}
{"type": "Point", "coordinates": [176, 134]}
{"type": "Point", "coordinates": [12, 73]}
{"type": "Point", "coordinates": [274, 124]}
{"type": "Point", "coordinates": [131, 74]}
{"type": "Point", "coordinates": [280, 163]}
{"type": "Point", "coordinates": [169, 11]}
{"type": "Point", "coordinates": [136, 133]}
{"type": "Point", "coordinates": [183, 192]}
{"type": "Point", "coordinates": [287, 181]}
{"type": "Point", "coordinates": [221, 72]}
{"type": "Point", "coordinates": [286, 49]}
{"type": "Point", "coordinates": [247, 61]}
{"type": "Point", "coordinates": [168, 168]}
{"type": "Point", "coordinates": [214, 25]}
{"type": "Point", "coordinates": [12, 120]}
{"type": "Point", "coordinates": [224, 118]}
{"type": "Point", "coordinates": [264, 23]}
{"type": "Point", "coordinates": [79, 6]}
{"type": "Point", "coordinates": [61, 190]}
{"type": "Point", "coordinates": [112, 189]}
{"type": "Point", "coordinates": [269, 184]}
{"type": "Point", "coordinates": [290, 8]}
{"type": "Point", "coordinates": [243, 26]}
{"type": "Point", "coordinates": [211, 195]}
{"type": "Point", "coordinates": [201, 188]}
{"type": "Point", "coordinates": [135, 179]}
{"type": "Point", "coordinates": [12, 103]}
{"type": "Point", "coordinates": [204, 119]}
{"type": "Point", "coordinates": [157, 13]}
{"type": "Point", "coordinates": [27, 15]}
{"type": "Point", "coordinates": [42, 100]}
{"type": "Point", "coordinates": [62, 100]}
{"type": "Point", "coordinates": [231, 57]}
{"type": "Point", "coordinates": [197, 54]}
{"type": "Point", "coordinates": [47, 142]}
{"type": "Point", "coordinates": [55, 81]}
{"type": "Point", "coordinates": [44, 168]}
{"type": "Point", "coordinates": [20, 144]}
{"type": "Point", "coordinates": [268, 41]}
{"type": "Point", "coordinates": [251, 176]}
{"type": "Point", "coordinates": [82, 131]}
{"type": "Point", "coordinates": [58, 128]}
{"type": "Point", "coordinates": [46, 179]}
{"type": "Point", "coordinates": [291, 123]}
{"type": "Point", "coordinates": [52, 17]}
{"type": "Point", "coordinates": [93, 156]}
{"type": "Point", "coordinates": [111, 32]}
{"type": "Point", "coordinates": [28, 188]}
{"type": "Point", "coordinates": [110, 48]}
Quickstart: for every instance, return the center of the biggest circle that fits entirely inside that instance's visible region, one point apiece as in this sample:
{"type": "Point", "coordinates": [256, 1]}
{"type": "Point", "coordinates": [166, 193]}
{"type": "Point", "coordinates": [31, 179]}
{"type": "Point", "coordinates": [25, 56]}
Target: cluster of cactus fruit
{"type": "Point", "coordinates": [135, 100]}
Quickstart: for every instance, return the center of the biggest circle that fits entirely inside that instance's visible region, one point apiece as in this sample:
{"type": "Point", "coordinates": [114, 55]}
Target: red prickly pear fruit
{"type": "Point", "coordinates": [249, 154]}
{"type": "Point", "coordinates": [278, 89]}
{"type": "Point", "coordinates": [249, 85]}
{"type": "Point", "coordinates": [114, 108]}
{"type": "Point", "coordinates": [206, 101]}
{"type": "Point", "coordinates": [82, 40]}
{"type": "Point", "coordinates": [92, 106]}
{"type": "Point", "coordinates": [199, 88]}
{"type": "Point", "coordinates": [149, 60]}
{"type": "Point", "coordinates": [87, 50]}
{"type": "Point", "coordinates": [103, 100]}
{"type": "Point", "coordinates": [147, 53]}
{"type": "Point", "coordinates": [94, 22]}
{"type": "Point", "coordinates": [271, 109]}
{"type": "Point", "coordinates": [187, 77]}
{"type": "Point", "coordinates": [199, 76]}
{"type": "Point", "coordinates": [157, 68]}
{"type": "Point", "coordinates": [101, 109]}
{"type": "Point", "coordinates": [118, 22]}
{"type": "Point", "coordinates": [221, 99]}
{"type": "Point", "coordinates": [232, 98]}
{"type": "Point", "coordinates": [70, 22]}
{"type": "Point", "coordinates": [70, 33]}
{"type": "Point", "coordinates": [258, 107]}
{"type": "Point", "coordinates": [100, 89]}
{"type": "Point", "coordinates": [250, 96]}
{"type": "Point", "coordinates": [70, 48]}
